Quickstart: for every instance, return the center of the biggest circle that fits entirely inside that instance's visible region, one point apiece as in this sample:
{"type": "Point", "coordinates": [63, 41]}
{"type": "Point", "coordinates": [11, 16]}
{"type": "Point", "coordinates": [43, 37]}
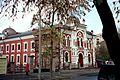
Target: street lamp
{"type": "Point", "coordinates": [39, 56]}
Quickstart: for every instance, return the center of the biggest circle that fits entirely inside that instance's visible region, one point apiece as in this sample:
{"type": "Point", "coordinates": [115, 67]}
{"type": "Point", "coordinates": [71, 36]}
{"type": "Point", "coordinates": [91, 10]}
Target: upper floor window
{"type": "Point", "coordinates": [80, 34]}
{"type": "Point", "coordinates": [81, 42]}
{"type": "Point", "coordinates": [80, 37]}
{"type": "Point", "coordinates": [68, 41]}
{"type": "Point", "coordinates": [7, 48]}
{"type": "Point", "coordinates": [25, 46]}
{"type": "Point", "coordinates": [89, 44]}
{"type": "Point", "coordinates": [78, 42]}
{"type": "Point", "coordinates": [18, 46]}
{"type": "Point", "coordinates": [32, 45]}
{"type": "Point", "coordinates": [13, 47]}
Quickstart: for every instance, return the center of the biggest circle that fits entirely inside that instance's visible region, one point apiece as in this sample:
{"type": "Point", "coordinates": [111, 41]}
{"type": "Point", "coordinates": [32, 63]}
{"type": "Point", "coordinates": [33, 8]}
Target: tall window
{"type": "Point", "coordinates": [81, 42]}
{"type": "Point", "coordinates": [25, 45]}
{"type": "Point", "coordinates": [88, 44]}
{"type": "Point", "coordinates": [89, 58]}
{"type": "Point", "coordinates": [33, 45]}
{"type": "Point", "coordinates": [78, 42]}
{"type": "Point", "coordinates": [66, 57]}
{"type": "Point", "coordinates": [18, 58]}
{"type": "Point", "coordinates": [25, 58]}
{"type": "Point", "coordinates": [68, 41]}
{"type": "Point", "coordinates": [12, 58]}
{"type": "Point", "coordinates": [12, 47]}
{"type": "Point", "coordinates": [18, 47]}
{"type": "Point", "coordinates": [80, 38]}
{"type": "Point", "coordinates": [7, 48]}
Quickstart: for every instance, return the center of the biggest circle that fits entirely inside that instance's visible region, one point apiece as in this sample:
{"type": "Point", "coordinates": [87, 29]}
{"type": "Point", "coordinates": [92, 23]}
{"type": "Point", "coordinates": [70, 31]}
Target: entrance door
{"type": "Point", "coordinates": [81, 60]}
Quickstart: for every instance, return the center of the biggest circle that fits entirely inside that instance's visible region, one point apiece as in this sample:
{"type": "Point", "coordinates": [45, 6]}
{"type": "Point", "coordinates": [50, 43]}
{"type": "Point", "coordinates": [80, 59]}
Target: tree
{"type": "Point", "coordinates": [102, 51]}
{"type": "Point", "coordinates": [110, 34]}
{"type": "Point", "coordinates": [62, 9]}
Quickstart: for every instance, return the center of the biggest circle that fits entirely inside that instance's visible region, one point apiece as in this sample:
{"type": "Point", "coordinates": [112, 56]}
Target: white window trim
{"type": "Point", "coordinates": [1, 49]}
{"type": "Point", "coordinates": [32, 49]}
{"type": "Point", "coordinates": [90, 58]}
{"type": "Point", "coordinates": [11, 58]}
{"type": "Point", "coordinates": [17, 47]}
{"type": "Point", "coordinates": [67, 41]}
{"type": "Point", "coordinates": [7, 58]}
{"type": "Point", "coordinates": [8, 47]}
{"type": "Point", "coordinates": [26, 58]}
{"type": "Point", "coordinates": [17, 59]}
{"type": "Point", "coordinates": [81, 42]}
{"type": "Point", "coordinates": [68, 56]}
{"type": "Point", "coordinates": [24, 46]}
{"type": "Point", "coordinates": [12, 46]}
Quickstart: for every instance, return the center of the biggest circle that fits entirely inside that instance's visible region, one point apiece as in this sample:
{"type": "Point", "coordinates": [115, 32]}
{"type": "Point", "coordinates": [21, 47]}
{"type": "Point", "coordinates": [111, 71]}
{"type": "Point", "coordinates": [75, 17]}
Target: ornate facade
{"type": "Point", "coordinates": [77, 48]}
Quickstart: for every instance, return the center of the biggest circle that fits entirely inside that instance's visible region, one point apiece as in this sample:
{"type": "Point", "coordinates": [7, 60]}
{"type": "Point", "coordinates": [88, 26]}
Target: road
{"type": "Point", "coordinates": [83, 74]}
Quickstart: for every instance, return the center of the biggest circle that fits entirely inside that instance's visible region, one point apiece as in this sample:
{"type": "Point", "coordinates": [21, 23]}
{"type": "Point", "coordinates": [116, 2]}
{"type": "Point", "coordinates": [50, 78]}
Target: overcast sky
{"type": "Point", "coordinates": [92, 21]}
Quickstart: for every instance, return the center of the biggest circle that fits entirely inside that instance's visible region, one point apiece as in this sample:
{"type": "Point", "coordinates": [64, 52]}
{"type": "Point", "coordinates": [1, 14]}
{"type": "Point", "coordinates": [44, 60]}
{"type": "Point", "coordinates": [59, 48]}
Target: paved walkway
{"type": "Point", "coordinates": [64, 75]}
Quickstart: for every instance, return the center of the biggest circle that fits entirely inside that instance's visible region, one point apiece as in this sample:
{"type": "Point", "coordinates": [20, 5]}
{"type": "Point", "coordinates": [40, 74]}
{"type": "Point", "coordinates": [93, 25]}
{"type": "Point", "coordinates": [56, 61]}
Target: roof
{"type": "Point", "coordinates": [8, 31]}
{"type": "Point", "coordinates": [19, 34]}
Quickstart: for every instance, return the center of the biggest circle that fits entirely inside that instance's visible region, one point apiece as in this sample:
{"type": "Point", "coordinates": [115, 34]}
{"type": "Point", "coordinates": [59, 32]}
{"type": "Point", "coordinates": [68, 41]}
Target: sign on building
{"type": "Point", "coordinates": [3, 64]}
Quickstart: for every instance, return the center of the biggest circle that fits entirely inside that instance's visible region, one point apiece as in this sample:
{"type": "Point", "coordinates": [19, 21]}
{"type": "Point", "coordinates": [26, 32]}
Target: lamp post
{"type": "Point", "coordinates": [39, 56]}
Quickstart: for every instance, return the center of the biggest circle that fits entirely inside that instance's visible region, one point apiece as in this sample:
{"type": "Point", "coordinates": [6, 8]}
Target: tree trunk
{"type": "Point", "coordinates": [109, 34]}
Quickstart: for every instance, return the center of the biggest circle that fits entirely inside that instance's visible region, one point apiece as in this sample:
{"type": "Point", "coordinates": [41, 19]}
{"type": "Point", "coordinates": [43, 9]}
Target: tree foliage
{"type": "Point", "coordinates": [45, 8]}
{"type": "Point", "coordinates": [102, 51]}
{"type": "Point", "coordinates": [116, 9]}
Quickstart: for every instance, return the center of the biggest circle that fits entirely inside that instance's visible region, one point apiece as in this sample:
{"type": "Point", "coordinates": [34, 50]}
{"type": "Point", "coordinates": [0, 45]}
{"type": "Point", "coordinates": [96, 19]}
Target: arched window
{"type": "Point", "coordinates": [81, 42]}
{"type": "Point", "coordinates": [89, 60]}
{"type": "Point", "coordinates": [80, 39]}
{"type": "Point", "coordinates": [80, 34]}
{"type": "Point", "coordinates": [66, 57]}
{"type": "Point", "coordinates": [81, 60]}
{"type": "Point", "coordinates": [78, 42]}
{"type": "Point", "coordinates": [68, 41]}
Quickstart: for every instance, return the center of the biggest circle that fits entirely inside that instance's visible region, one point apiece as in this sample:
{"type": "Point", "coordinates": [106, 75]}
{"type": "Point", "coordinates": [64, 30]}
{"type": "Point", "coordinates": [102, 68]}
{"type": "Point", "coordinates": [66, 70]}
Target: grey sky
{"type": "Point", "coordinates": [92, 19]}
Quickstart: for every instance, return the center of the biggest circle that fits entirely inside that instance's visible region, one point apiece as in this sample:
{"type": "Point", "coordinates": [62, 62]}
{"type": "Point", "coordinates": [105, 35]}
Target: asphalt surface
{"type": "Point", "coordinates": [77, 74]}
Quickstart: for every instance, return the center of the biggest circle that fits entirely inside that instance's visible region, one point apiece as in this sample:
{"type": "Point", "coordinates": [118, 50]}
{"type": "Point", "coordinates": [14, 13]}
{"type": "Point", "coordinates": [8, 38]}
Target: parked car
{"type": "Point", "coordinates": [107, 72]}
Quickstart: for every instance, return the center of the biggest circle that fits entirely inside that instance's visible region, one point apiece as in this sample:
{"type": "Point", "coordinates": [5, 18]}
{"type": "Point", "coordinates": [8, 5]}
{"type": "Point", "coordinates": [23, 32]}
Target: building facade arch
{"type": "Point", "coordinates": [80, 59]}
{"type": "Point", "coordinates": [66, 56]}
{"type": "Point", "coordinates": [89, 58]}
{"type": "Point", "coordinates": [80, 38]}
{"type": "Point", "coordinates": [79, 34]}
